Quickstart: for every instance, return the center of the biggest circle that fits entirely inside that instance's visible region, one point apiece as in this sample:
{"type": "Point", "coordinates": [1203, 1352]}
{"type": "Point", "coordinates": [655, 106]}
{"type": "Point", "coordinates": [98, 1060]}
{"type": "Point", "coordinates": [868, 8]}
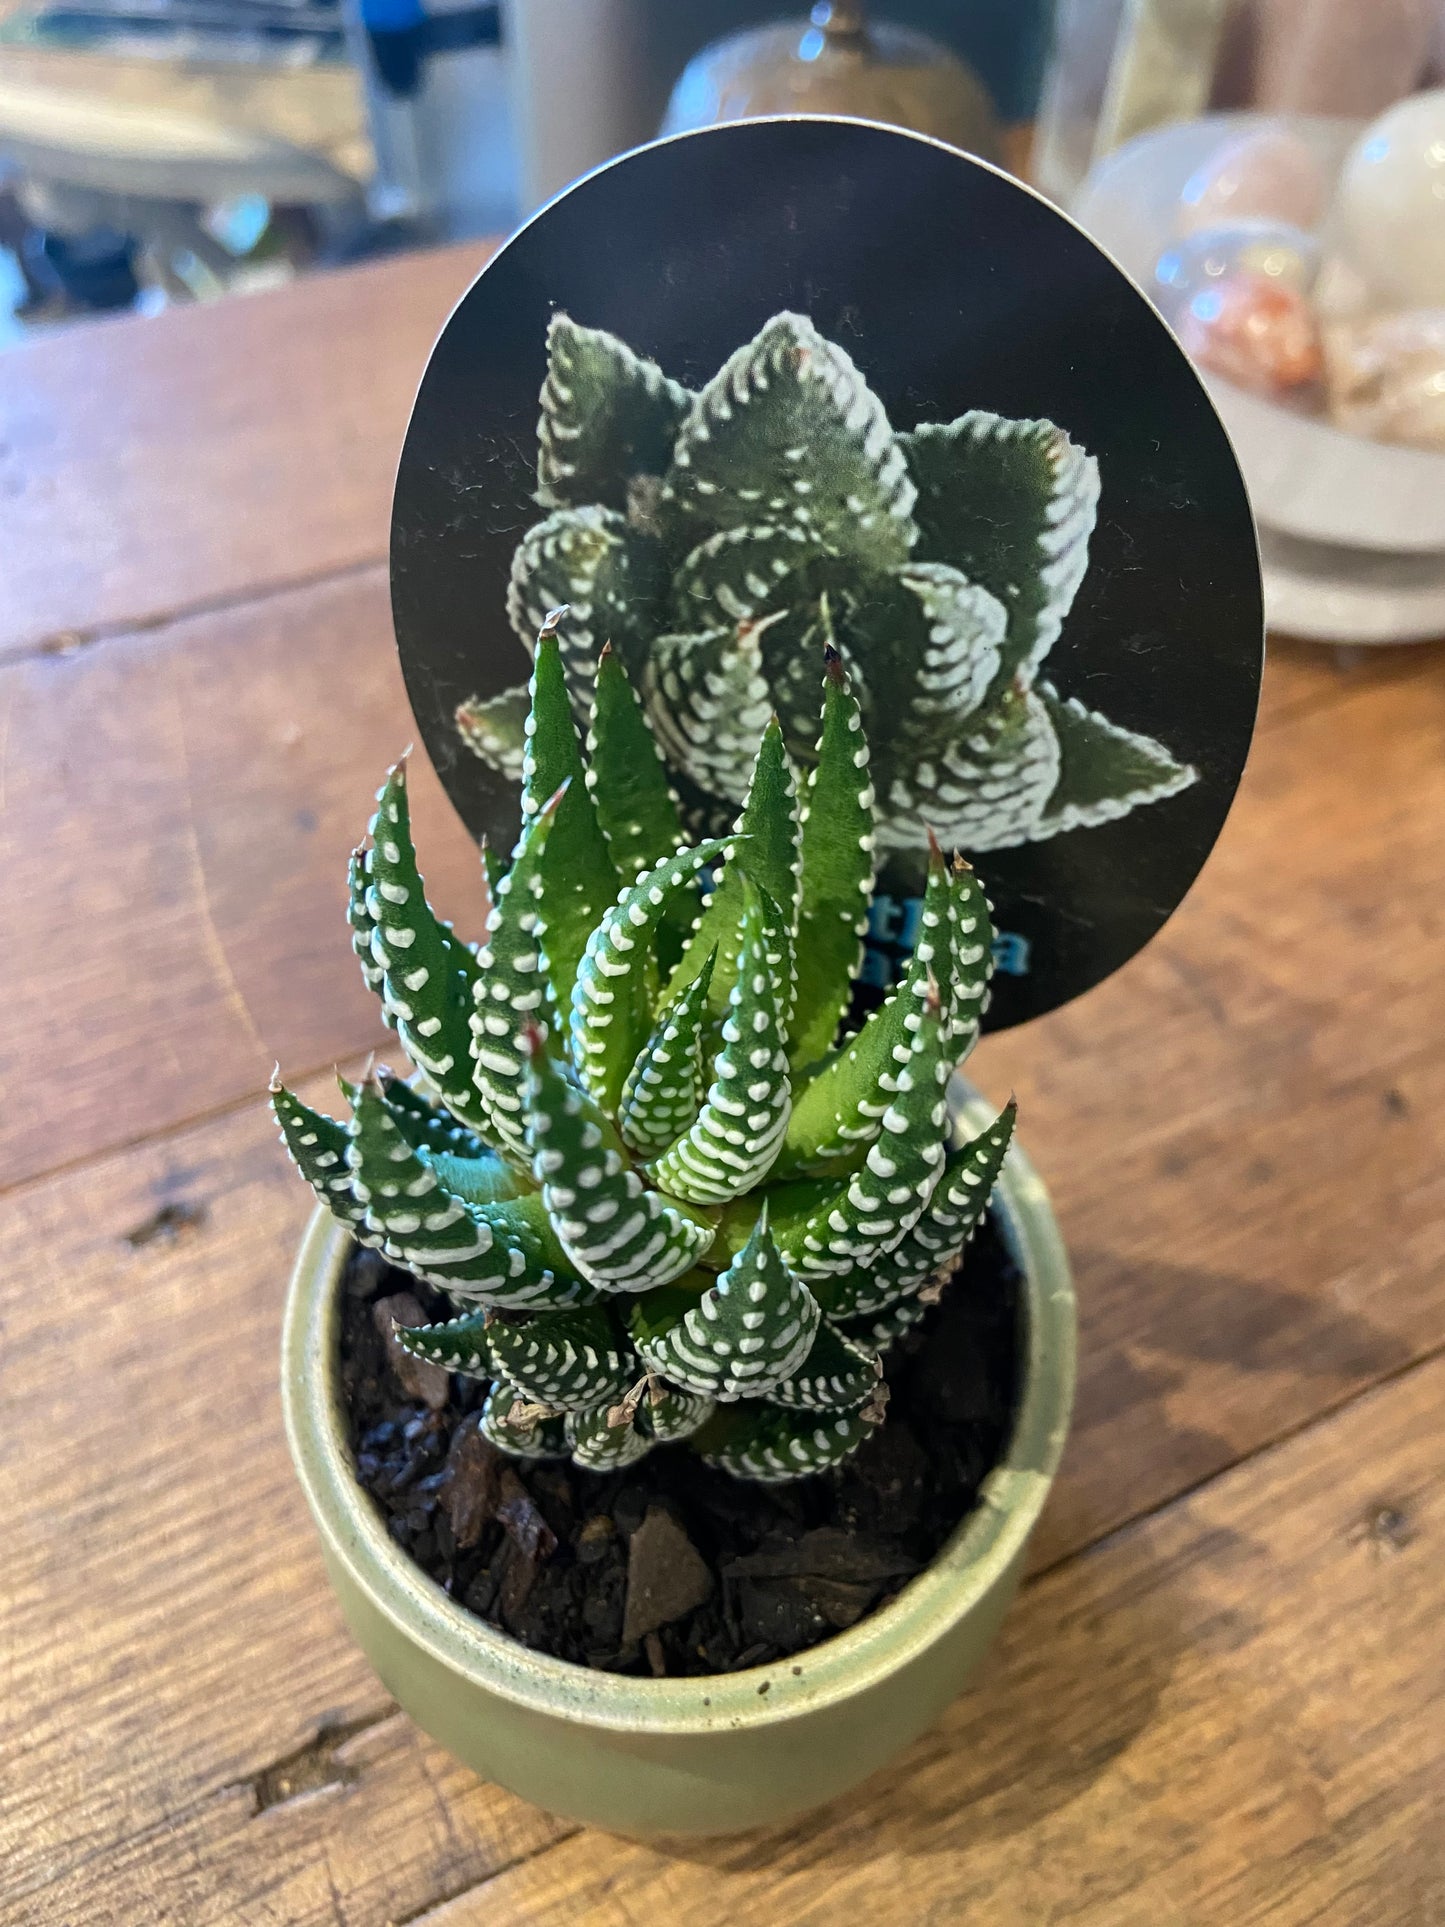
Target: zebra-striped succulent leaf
{"type": "Point", "coordinates": [764, 848]}
{"type": "Point", "coordinates": [517, 1424]}
{"type": "Point", "coordinates": [611, 1017]}
{"type": "Point", "coordinates": [667, 1199]}
{"type": "Point", "coordinates": [744, 1335]}
{"type": "Point", "coordinates": [457, 1344]}
{"type": "Point", "coordinates": [428, 1127]}
{"type": "Point", "coordinates": [937, 1240]}
{"type": "Point", "coordinates": [577, 871]}
{"type": "Point", "coordinates": [839, 1112]}
{"type": "Point", "coordinates": [730, 1147]}
{"type": "Point", "coordinates": [836, 821]}
{"type": "Point", "coordinates": [568, 1359]}
{"type": "Point", "coordinates": [837, 1374]}
{"type": "Point", "coordinates": [616, 1230]}
{"type": "Point", "coordinates": [427, 977]}
{"type": "Point", "coordinates": [670, 1412]}
{"type": "Point", "coordinates": [626, 775]}
{"type": "Point", "coordinates": [773, 1444]}
{"type": "Point", "coordinates": [602, 1443]}
{"type": "Point", "coordinates": [665, 1087]}
{"type": "Point", "coordinates": [608, 416]}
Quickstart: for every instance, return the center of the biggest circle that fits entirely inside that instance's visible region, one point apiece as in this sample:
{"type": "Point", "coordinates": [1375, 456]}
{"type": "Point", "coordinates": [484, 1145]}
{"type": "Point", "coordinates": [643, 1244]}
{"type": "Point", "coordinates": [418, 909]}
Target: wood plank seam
{"type": "Point", "coordinates": [1340, 1084]}
{"type": "Point", "coordinates": [70, 642]}
{"type": "Point", "coordinates": [351, 1061]}
{"type": "Point", "coordinates": [418, 1916]}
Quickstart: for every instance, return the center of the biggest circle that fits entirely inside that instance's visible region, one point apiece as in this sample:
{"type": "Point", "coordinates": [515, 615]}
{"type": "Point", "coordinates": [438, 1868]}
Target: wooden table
{"type": "Point", "coordinates": [1221, 1697]}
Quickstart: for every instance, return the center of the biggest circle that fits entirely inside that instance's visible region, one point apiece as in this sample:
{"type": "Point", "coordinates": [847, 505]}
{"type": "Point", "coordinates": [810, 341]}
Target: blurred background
{"type": "Point", "coordinates": [1271, 173]}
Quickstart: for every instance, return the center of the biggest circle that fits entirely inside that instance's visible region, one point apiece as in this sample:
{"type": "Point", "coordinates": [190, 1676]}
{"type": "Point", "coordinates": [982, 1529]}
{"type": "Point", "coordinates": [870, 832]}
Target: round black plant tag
{"type": "Point", "coordinates": [787, 382]}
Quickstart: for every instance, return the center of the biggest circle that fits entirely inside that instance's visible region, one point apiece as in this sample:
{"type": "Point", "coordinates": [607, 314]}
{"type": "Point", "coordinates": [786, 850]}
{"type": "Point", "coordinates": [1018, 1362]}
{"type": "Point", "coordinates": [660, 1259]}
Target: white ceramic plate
{"type": "Point", "coordinates": [1328, 594]}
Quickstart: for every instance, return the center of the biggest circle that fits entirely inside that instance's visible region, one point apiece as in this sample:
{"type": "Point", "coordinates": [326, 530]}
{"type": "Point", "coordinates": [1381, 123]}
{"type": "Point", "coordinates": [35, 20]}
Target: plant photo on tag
{"type": "Point", "coordinates": [786, 426]}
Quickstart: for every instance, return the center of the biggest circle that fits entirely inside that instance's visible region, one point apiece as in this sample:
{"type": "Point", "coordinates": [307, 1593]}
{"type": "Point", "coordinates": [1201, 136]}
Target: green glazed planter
{"type": "Point", "coordinates": [724, 1752]}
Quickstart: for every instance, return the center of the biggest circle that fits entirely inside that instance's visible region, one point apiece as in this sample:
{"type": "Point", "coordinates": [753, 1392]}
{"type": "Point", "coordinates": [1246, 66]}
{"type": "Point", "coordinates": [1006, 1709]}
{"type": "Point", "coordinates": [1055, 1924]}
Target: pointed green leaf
{"type": "Point", "coordinates": [837, 1373]}
{"type": "Point", "coordinates": [579, 879]}
{"type": "Point", "coordinates": [665, 1087]}
{"type": "Point", "coordinates": [732, 1145]}
{"type": "Point", "coordinates": [747, 1333]}
{"type": "Point", "coordinates": [970, 963]}
{"type": "Point", "coordinates": [936, 1242]}
{"type": "Point", "coordinates": [512, 990]}
{"type": "Point", "coordinates": [428, 976]}
{"type": "Point", "coordinates": [773, 1445]}
{"type": "Point", "coordinates": [608, 416]}
{"type": "Point", "coordinates": [494, 728]}
{"type": "Point", "coordinates": [669, 1413]}
{"type": "Point", "coordinates": [985, 791]}
{"type": "Point", "coordinates": [616, 1233]}
{"type": "Point", "coordinates": [600, 1446]}
{"type": "Point", "coordinates": [514, 1424]}
{"type": "Point", "coordinates": [425, 1125]}
{"type": "Point", "coordinates": [567, 1359]}
{"type": "Point", "coordinates": [458, 1344]}
{"type": "Point", "coordinates": [611, 1017]}
{"type": "Point", "coordinates": [1012, 504]}
{"type": "Point", "coordinates": [1104, 771]}
{"type": "Point", "coordinates": [838, 1112]}
{"type": "Point", "coordinates": [837, 884]}
{"type": "Point", "coordinates": [358, 881]}
{"type": "Point", "coordinates": [503, 1253]}
{"type": "Point", "coordinates": [317, 1145]}
{"type": "Point", "coordinates": [956, 660]}
{"type": "Point", "coordinates": [882, 1200]}
{"type": "Point", "coordinates": [487, 1179]}
{"type": "Point", "coordinates": [626, 775]}
{"type": "Point", "coordinates": [770, 857]}
{"type": "Point", "coordinates": [789, 430]}
{"type": "Point", "coordinates": [882, 1331]}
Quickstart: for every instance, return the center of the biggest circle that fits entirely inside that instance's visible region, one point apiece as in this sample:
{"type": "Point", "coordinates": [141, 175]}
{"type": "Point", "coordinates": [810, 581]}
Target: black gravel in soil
{"type": "Point", "coordinates": [540, 1549]}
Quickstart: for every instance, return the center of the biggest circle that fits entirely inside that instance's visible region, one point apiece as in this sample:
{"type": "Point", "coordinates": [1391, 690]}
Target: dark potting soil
{"type": "Point", "coordinates": [670, 1566]}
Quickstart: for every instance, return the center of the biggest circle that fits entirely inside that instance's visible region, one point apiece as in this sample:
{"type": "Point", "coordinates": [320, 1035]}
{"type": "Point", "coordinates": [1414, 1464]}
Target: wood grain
{"type": "Point", "coordinates": [148, 1498]}
{"type": "Point", "coordinates": [1226, 1711]}
{"type": "Point", "coordinates": [178, 807]}
{"type": "Point", "coordinates": [169, 1638]}
{"type": "Point", "coordinates": [151, 464]}
{"type": "Point", "coordinates": [1232, 1713]}
{"type": "Point", "coordinates": [1304, 957]}
{"type": "Point", "coordinates": [177, 812]}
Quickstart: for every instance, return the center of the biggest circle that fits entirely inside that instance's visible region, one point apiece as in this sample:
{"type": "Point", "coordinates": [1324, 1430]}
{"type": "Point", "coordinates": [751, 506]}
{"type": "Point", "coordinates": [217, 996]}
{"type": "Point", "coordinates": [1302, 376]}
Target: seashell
{"type": "Point", "coordinates": [1386, 377]}
{"type": "Point", "coordinates": [1286, 255]}
{"type": "Point", "coordinates": [1269, 175]}
{"type": "Point", "coordinates": [1391, 203]}
{"type": "Point", "coordinates": [1257, 333]}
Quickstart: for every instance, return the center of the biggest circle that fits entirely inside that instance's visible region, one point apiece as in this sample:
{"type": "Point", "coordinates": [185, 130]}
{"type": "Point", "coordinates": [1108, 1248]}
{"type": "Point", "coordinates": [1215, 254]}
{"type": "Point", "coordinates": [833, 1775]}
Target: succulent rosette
{"type": "Point", "coordinates": [719, 538]}
{"type": "Point", "coordinates": [665, 1198]}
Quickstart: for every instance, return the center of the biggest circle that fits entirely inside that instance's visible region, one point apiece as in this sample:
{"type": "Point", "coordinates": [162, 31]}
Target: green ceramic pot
{"type": "Point", "coordinates": [686, 1756]}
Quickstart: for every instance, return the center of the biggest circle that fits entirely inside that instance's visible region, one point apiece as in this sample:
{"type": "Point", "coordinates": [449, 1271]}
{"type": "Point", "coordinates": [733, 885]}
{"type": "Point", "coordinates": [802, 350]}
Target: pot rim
{"type": "Point", "coordinates": [979, 1553]}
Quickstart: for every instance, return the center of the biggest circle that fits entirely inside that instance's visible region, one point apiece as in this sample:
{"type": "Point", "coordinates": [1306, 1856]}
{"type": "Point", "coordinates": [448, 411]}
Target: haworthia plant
{"type": "Point", "coordinates": [718, 539]}
{"type": "Point", "coordinates": [667, 1198]}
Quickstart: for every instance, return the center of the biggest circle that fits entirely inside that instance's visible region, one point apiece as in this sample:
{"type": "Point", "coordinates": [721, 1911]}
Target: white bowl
{"type": "Point", "coordinates": [1305, 477]}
